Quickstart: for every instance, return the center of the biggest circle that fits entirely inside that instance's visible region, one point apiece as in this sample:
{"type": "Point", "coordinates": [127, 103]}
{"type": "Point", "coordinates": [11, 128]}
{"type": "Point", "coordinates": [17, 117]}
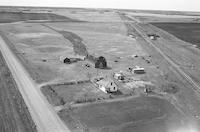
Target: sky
{"type": "Point", "coordinates": [178, 5]}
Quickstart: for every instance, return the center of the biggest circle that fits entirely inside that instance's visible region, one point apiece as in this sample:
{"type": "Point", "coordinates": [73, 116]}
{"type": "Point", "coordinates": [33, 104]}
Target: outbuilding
{"type": "Point", "coordinates": [119, 76]}
{"type": "Point", "coordinates": [138, 70]}
{"type": "Point", "coordinates": [107, 86]}
{"type": "Point", "coordinates": [132, 36]}
{"type": "Point", "coordinates": [153, 36]}
{"type": "Point", "coordinates": [66, 61]}
{"type": "Point", "coordinates": [101, 62]}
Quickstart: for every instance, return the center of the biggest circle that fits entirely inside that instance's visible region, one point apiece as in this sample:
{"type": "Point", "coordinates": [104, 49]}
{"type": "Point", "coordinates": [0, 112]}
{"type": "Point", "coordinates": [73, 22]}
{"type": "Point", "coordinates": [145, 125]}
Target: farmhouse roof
{"type": "Point", "coordinates": [104, 82]}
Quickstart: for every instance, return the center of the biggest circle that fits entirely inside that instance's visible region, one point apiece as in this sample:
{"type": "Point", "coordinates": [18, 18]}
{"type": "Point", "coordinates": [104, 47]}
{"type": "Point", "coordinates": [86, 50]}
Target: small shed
{"type": "Point", "coordinates": [119, 76]}
{"type": "Point", "coordinates": [68, 59]}
{"type": "Point", "coordinates": [132, 36]}
{"type": "Point", "coordinates": [153, 36]}
{"type": "Point", "coordinates": [101, 62]}
{"type": "Point", "coordinates": [138, 70]}
{"type": "Point", "coordinates": [107, 86]}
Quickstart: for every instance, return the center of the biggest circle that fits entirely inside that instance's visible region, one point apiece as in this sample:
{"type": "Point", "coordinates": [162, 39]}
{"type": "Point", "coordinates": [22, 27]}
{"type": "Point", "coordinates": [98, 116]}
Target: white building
{"type": "Point", "coordinates": [107, 86]}
{"type": "Point", "coordinates": [132, 36]}
{"type": "Point", "coordinates": [152, 37]}
{"type": "Point", "coordinates": [138, 70]}
{"type": "Point", "coordinates": [119, 76]}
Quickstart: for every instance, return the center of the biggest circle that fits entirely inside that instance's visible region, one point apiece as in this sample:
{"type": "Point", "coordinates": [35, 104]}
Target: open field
{"type": "Point", "coordinates": [174, 19]}
{"type": "Point", "coordinates": [188, 32]}
{"type": "Point", "coordinates": [14, 114]}
{"type": "Point", "coordinates": [50, 35]}
{"type": "Point", "coordinates": [161, 12]}
{"type": "Point", "coordinates": [136, 115]}
{"type": "Point", "coordinates": [148, 17]}
{"type": "Point", "coordinates": [8, 17]}
{"type": "Point", "coordinates": [91, 15]}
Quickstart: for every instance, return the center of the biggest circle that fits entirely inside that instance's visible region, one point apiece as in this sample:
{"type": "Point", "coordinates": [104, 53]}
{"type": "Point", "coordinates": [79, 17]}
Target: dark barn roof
{"type": "Point", "coordinates": [101, 62]}
{"type": "Point", "coordinates": [67, 60]}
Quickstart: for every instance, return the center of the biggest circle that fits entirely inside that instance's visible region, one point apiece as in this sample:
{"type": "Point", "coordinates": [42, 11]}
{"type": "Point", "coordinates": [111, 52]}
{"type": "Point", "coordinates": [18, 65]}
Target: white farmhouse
{"type": "Point", "coordinates": [107, 86]}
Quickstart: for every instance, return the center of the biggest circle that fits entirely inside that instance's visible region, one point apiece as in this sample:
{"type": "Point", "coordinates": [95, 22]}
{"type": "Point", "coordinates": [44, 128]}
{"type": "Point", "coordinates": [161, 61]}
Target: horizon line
{"type": "Point", "coordinates": [97, 8]}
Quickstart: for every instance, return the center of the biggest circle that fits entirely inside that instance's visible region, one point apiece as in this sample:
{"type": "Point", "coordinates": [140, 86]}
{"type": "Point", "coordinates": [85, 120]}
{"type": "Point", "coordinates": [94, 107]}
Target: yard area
{"type": "Point", "coordinates": [73, 93]}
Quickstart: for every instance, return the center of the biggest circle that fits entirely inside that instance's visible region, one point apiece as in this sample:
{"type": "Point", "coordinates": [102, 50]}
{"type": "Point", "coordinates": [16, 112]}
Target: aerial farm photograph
{"type": "Point", "coordinates": [100, 66]}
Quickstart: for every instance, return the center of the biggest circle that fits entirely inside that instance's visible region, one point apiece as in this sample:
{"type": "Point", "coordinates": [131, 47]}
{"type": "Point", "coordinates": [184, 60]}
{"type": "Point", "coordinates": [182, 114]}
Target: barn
{"type": "Point", "coordinates": [66, 61]}
{"type": "Point", "coordinates": [101, 62]}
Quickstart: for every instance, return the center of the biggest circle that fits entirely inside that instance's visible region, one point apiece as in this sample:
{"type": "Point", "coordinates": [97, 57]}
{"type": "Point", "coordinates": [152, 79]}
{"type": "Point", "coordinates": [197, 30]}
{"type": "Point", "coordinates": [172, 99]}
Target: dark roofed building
{"type": "Point", "coordinates": [101, 62]}
{"type": "Point", "coordinates": [67, 61]}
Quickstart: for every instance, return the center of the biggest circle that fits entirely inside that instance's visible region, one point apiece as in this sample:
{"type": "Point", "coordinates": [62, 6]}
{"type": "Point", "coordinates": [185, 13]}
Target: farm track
{"type": "Point", "coordinates": [43, 114]}
{"type": "Point", "coordinates": [139, 30]}
{"type": "Point", "coordinates": [14, 114]}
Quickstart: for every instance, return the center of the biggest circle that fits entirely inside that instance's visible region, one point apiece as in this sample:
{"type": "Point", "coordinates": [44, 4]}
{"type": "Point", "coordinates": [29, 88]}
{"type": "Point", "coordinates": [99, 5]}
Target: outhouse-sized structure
{"type": "Point", "coordinates": [153, 36]}
{"type": "Point", "coordinates": [132, 36]}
